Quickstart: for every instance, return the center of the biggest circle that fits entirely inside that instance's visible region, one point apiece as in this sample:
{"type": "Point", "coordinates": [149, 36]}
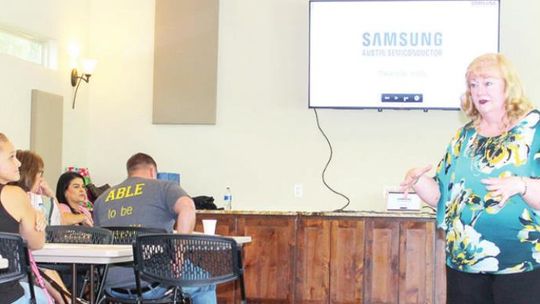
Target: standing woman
{"type": "Point", "coordinates": [71, 194]}
{"type": "Point", "coordinates": [17, 216]}
{"type": "Point", "coordinates": [487, 191]}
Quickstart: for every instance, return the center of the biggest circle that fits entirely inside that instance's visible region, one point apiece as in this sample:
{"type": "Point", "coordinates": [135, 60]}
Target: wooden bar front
{"type": "Point", "coordinates": [302, 257]}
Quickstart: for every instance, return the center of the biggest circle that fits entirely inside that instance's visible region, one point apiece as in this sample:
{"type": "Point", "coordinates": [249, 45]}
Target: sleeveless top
{"type": "Point", "coordinates": [11, 291]}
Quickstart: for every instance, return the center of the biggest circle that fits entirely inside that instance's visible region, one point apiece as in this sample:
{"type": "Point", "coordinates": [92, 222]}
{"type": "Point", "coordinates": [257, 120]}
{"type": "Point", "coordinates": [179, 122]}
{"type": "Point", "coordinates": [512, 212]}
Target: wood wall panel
{"type": "Point", "coordinates": [269, 259]}
{"type": "Point", "coordinates": [328, 259]}
{"type": "Point", "coordinates": [416, 263]}
{"type": "Point", "coordinates": [347, 261]}
{"type": "Point", "coordinates": [313, 261]}
{"type": "Point", "coordinates": [381, 261]}
{"type": "Point", "coordinates": [440, 267]}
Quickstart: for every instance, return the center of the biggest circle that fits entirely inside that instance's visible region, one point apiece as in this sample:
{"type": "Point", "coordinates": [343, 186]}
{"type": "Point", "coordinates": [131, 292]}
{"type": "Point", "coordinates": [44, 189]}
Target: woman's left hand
{"type": "Point", "coordinates": [504, 187]}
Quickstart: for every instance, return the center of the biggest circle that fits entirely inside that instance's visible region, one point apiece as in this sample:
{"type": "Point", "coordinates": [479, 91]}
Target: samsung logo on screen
{"type": "Point", "coordinates": [405, 39]}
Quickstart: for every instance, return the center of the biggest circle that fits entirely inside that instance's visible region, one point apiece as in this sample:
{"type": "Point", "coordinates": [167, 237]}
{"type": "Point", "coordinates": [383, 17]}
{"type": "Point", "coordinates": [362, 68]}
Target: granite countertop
{"type": "Point", "coordinates": [404, 214]}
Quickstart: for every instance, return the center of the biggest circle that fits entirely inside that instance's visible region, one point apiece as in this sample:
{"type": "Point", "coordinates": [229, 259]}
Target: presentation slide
{"type": "Point", "coordinates": [396, 54]}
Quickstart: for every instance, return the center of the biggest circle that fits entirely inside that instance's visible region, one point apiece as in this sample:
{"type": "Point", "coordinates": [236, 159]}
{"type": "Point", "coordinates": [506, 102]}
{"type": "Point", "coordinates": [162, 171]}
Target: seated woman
{"type": "Point", "coordinates": [72, 199]}
{"type": "Point", "coordinates": [71, 194]}
{"type": "Point", "coordinates": [18, 216]}
{"type": "Point", "coordinates": [42, 199]}
{"type": "Point", "coordinates": [31, 181]}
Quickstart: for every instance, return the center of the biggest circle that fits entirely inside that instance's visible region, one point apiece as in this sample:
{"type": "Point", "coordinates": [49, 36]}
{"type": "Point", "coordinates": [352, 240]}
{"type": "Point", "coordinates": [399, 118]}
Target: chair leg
{"type": "Point", "coordinates": [241, 278]}
{"type": "Point", "coordinates": [101, 284]}
{"type": "Point", "coordinates": [31, 287]}
{"type": "Point", "coordinates": [180, 297]}
{"type": "Point", "coordinates": [242, 289]}
{"type": "Point", "coordinates": [74, 283]}
{"type": "Point", "coordinates": [185, 300]}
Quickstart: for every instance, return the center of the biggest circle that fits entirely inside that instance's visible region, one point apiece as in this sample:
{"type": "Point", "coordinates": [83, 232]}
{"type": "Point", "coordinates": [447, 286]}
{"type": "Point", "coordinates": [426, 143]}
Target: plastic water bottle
{"type": "Point", "coordinates": [227, 199]}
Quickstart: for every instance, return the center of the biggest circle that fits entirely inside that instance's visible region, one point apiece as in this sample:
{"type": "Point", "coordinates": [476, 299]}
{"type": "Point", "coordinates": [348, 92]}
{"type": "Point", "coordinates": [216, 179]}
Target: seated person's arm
{"type": "Point", "coordinates": [72, 218]}
{"type": "Point", "coordinates": [185, 209]}
{"type": "Point", "coordinates": [17, 203]}
{"type": "Point", "coordinates": [69, 218]}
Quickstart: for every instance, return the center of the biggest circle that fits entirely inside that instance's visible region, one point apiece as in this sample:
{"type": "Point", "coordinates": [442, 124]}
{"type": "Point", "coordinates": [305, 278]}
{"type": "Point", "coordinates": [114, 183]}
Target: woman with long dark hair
{"type": "Point", "coordinates": [71, 194]}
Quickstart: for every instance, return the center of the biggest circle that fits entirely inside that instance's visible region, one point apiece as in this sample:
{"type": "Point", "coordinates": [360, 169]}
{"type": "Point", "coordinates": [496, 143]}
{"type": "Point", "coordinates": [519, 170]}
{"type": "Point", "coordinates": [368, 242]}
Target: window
{"type": "Point", "coordinates": [28, 47]}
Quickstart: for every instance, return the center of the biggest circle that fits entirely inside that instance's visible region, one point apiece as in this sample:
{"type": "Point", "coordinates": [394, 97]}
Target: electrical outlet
{"type": "Point", "coordinates": [298, 190]}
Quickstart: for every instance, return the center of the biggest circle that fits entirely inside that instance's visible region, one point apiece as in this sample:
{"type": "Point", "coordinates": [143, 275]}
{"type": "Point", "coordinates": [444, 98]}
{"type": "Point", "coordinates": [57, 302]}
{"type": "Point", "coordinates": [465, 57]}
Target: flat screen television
{"type": "Point", "coordinates": [396, 54]}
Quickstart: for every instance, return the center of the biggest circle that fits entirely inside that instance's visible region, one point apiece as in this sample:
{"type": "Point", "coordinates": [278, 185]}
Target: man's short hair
{"type": "Point", "coordinates": [138, 161]}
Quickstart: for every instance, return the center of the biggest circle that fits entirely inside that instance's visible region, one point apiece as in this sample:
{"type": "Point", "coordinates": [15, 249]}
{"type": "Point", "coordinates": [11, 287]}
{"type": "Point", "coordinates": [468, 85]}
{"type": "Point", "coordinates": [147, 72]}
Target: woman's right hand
{"type": "Point", "coordinates": [45, 189]}
{"type": "Point", "coordinates": [87, 221]}
{"type": "Point", "coordinates": [412, 177]}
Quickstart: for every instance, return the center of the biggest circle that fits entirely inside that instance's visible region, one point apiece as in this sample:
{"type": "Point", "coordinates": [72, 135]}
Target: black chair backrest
{"type": "Point", "coordinates": [186, 259]}
{"type": "Point", "coordinates": [126, 235]}
{"type": "Point", "coordinates": [13, 249]}
{"type": "Point", "coordinates": [78, 235]}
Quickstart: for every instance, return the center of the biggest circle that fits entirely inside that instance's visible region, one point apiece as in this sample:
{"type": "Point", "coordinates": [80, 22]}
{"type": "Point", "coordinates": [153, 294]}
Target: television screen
{"type": "Point", "coordinates": [401, 54]}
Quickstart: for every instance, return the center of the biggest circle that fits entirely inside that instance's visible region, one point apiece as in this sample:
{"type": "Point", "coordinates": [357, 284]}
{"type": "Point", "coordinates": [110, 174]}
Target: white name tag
{"type": "Point", "coordinates": [396, 200]}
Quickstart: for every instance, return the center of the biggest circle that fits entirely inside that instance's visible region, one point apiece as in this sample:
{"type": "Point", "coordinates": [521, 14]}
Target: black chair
{"type": "Point", "coordinates": [78, 235]}
{"type": "Point", "coordinates": [126, 235]}
{"type": "Point", "coordinates": [184, 260]}
{"type": "Point", "coordinates": [13, 249]}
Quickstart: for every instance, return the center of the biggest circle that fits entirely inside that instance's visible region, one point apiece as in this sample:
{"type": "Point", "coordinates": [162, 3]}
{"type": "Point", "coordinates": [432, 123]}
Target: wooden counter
{"type": "Point", "coordinates": [319, 257]}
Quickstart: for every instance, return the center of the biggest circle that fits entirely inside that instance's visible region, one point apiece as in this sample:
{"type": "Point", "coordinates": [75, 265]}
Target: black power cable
{"type": "Point", "coordinates": [323, 174]}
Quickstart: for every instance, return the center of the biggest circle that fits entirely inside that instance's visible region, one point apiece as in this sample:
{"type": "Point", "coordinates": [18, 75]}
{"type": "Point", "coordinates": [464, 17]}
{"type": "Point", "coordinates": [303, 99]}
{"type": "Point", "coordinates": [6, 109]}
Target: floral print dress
{"type": "Point", "coordinates": [481, 236]}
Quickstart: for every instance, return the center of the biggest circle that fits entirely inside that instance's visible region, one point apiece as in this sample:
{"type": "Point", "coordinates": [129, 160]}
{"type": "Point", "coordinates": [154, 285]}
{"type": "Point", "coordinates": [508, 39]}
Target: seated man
{"type": "Point", "coordinates": [142, 200]}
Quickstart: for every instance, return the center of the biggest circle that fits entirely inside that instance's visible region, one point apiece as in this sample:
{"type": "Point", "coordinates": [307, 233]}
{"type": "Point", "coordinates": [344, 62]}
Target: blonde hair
{"type": "Point", "coordinates": [3, 139]}
{"type": "Point", "coordinates": [516, 104]}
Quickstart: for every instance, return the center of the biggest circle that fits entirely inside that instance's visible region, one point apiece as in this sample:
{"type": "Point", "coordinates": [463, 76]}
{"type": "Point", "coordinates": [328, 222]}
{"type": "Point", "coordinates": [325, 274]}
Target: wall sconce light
{"type": "Point", "coordinates": [89, 66]}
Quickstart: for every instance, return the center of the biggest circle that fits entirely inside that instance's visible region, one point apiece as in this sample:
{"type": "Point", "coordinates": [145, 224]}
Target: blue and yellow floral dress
{"type": "Point", "coordinates": [482, 237]}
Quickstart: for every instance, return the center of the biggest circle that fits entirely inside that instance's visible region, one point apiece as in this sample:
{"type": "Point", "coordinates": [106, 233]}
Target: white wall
{"type": "Point", "coordinates": [265, 139]}
{"type": "Point", "coordinates": [65, 21]}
